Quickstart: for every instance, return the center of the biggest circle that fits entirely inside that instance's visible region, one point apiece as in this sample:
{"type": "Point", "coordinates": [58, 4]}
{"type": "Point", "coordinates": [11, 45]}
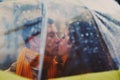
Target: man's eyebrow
{"type": "Point", "coordinates": [51, 33]}
{"type": "Point", "coordinates": [57, 32]}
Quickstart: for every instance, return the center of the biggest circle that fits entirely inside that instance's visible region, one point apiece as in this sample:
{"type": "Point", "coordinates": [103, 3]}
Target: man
{"type": "Point", "coordinates": [28, 59]}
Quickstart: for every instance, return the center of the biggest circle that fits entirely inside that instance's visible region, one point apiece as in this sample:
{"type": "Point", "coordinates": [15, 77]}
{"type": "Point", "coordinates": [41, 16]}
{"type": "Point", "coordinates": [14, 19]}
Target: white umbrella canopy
{"type": "Point", "coordinates": [109, 24]}
{"type": "Point", "coordinates": [14, 15]}
{"type": "Point", "coordinates": [105, 14]}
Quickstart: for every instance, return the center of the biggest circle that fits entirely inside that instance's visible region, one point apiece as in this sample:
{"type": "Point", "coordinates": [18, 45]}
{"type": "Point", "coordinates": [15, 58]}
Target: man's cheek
{"type": "Point", "coordinates": [48, 42]}
{"type": "Point", "coordinates": [51, 43]}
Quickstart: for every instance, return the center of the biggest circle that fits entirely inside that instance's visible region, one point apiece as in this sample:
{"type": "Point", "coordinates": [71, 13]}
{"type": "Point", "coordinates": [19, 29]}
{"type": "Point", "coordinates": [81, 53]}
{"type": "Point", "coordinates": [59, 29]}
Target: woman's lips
{"type": "Point", "coordinates": [56, 49]}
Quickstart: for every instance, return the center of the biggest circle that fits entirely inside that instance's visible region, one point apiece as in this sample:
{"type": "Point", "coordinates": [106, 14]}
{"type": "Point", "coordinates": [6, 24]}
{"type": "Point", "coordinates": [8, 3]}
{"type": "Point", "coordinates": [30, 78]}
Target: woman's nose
{"type": "Point", "coordinates": [57, 38]}
{"type": "Point", "coordinates": [58, 41]}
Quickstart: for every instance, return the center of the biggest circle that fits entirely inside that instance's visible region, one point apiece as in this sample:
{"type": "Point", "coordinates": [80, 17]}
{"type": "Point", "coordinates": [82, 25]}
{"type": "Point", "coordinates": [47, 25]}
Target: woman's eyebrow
{"type": "Point", "coordinates": [63, 36]}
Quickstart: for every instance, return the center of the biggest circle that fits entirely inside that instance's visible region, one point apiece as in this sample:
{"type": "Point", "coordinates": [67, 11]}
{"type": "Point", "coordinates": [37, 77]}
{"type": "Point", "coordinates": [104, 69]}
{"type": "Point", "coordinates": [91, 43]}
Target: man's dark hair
{"type": "Point", "coordinates": [32, 28]}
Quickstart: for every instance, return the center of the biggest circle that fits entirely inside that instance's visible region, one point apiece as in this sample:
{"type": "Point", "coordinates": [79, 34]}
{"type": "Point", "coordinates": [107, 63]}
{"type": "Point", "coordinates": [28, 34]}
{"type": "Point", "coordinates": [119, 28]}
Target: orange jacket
{"type": "Point", "coordinates": [26, 59]}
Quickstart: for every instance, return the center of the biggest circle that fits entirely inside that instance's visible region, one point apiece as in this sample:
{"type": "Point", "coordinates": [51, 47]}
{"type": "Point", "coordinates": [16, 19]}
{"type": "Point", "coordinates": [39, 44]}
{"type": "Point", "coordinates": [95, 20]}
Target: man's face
{"type": "Point", "coordinates": [51, 40]}
{"type": "Point", "coordinates": [34, 43]}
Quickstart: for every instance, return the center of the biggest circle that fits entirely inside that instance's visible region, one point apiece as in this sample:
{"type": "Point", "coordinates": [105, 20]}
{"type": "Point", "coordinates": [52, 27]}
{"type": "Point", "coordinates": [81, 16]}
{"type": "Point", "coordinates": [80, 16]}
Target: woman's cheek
{"type": "Point", "coordinates": [64, 48]}
{"type": "Point", "coordinates": [60, 48]}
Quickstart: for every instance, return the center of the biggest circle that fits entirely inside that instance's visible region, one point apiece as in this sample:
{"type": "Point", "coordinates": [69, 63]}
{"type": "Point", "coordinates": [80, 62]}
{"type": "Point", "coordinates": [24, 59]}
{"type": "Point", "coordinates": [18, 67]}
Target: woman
{"type": "Point", "coordinates": [86, 50]}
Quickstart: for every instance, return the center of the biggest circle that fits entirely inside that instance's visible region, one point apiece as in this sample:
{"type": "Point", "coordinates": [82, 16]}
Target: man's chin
{"type": "Point", "coordinates": [54, 53]}
{"type": "Point", "coordinates": [51, 53]}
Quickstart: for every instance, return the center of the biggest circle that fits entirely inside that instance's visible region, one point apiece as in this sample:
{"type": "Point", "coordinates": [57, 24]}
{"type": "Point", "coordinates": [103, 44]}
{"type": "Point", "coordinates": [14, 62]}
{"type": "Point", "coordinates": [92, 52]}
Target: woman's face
{"type": "Point", "coordinates": [65, 44]}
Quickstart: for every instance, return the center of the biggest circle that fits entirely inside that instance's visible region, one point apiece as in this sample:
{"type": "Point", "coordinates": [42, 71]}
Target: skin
{"type": "Point", "coordinates": [51, 48]}
{"type": "Point", "coordinates": [51, 41]}
{"type": "Point", "coordinates": [34, 43]}
{"type": "Point", "coordinates": [65, 44]}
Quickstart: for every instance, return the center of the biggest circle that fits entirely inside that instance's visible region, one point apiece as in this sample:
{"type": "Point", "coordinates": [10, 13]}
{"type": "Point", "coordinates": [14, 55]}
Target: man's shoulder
{"type": "Point", "coordinates": [12, 68]}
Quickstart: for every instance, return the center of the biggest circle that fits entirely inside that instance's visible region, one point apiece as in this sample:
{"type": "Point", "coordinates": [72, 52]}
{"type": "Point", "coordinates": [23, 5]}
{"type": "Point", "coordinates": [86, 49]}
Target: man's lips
{"type": "Point", "coordinates": [55, 48]}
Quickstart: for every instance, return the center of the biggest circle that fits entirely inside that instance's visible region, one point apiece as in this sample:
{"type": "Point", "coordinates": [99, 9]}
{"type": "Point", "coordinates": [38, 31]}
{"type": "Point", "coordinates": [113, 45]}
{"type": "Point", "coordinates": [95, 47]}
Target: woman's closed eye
{"type": "Point", "coordinates": [63, 37]}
